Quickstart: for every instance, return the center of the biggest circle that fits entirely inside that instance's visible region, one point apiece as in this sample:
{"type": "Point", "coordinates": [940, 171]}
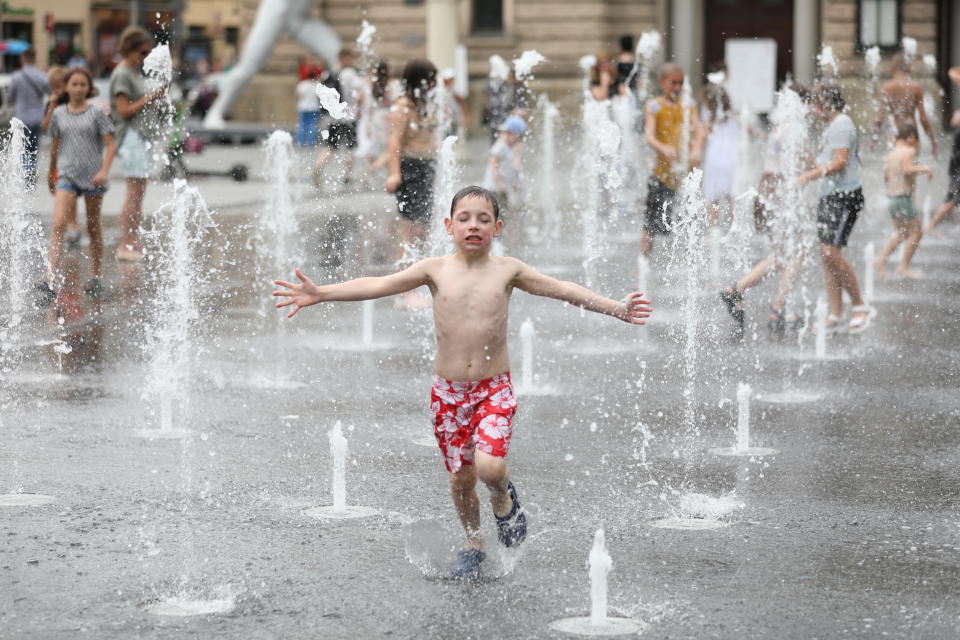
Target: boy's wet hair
{"type": "Point", "coordinates": [668, 68]}
{"type": "Point", "coordinates": [906, 131]}
{"type": "Point", "coordinates": [474, 191]}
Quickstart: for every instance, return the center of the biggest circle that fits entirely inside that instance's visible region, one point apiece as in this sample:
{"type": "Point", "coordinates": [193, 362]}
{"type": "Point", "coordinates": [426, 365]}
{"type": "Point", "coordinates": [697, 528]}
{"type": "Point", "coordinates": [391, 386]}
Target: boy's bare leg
{"type": "Point", "coordinates": [880, 264]}
{"type": "Point", "coordinates": [913, 233]}
{"type": "Point", "coordinates": [463, 489]}
{"type": "Point", "coordinates": [938, 217]}
{"type": "Point", "coordinates": [94, 204]}
{"type": "Point", "coordinates": [493, 472]}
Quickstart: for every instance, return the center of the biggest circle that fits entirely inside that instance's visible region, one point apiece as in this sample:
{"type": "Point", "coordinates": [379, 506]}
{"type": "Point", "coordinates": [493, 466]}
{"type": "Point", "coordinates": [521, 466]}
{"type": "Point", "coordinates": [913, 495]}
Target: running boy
{"type": "Point", "coordinates": [664, 132]}
{"type": "Point", "coordinates": [900, 175]}
{"type": "Point", "coordinates": [472, 398]}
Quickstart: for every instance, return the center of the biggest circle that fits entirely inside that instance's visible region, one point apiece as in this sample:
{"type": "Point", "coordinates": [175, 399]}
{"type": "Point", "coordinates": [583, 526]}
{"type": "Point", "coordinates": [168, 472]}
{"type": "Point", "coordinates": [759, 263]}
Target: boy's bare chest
{"type": "Point", "coordinates": [474, 295]}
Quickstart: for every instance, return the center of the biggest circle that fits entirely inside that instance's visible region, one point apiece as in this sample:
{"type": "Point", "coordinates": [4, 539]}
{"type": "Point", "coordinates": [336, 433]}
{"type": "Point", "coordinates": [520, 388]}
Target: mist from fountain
{"type": "Point", "coordinates": [21, 252]}
{"type": "Point", "coordinates": [175, 243]}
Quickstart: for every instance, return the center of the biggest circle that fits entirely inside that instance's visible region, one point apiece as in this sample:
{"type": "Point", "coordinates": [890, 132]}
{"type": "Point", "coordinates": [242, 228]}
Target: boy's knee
{"type": "Point", "coordinates": [493, 473]}
{"type": "Point", "coordinates": [464, 480]}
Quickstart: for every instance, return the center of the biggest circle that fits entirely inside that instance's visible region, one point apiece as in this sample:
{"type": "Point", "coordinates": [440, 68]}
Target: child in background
{"type": "Point", "coordinates": [899, 175]}
{"type": "Point", "coordinates": [472, 397]}
{"type": "Point", "coordinates": [78, 167]}
{"type": "Point", "coordinates": [504, 174]}
{"type": "Point", "coordinates": [664, 133]}
{"type": "Point", "coordinates": [57, 97]}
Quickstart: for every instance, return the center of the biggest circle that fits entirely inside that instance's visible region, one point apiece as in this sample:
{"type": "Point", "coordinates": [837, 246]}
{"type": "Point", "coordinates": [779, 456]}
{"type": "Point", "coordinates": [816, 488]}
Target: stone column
{"type": "Point", "coordinates": [686, 41]}
{"type": "Point", "coordinates": [442, 30]}
{"type": "Point", "coordinates": [806, 39]}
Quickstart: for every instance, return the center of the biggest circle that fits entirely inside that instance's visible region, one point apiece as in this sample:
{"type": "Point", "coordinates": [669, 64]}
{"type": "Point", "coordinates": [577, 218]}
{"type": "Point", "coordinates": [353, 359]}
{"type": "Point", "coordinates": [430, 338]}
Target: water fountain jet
{"type": "Point", "coordinates": [339, 510]}
{"type": "Point", "coordinates": [742, 447]}
{"type": "Point", "coordinates": [598, 623]}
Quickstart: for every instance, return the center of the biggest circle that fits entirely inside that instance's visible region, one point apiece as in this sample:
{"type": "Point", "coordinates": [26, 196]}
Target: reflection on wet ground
{"type": "Point", "coordinates": [851, 529]}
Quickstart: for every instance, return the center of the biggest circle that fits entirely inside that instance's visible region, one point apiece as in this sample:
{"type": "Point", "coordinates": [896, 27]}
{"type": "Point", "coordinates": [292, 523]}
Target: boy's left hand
{"type": "Point", "coordinates": [634, 309]}
{"type": "Point", "coordinates": [100, 178]}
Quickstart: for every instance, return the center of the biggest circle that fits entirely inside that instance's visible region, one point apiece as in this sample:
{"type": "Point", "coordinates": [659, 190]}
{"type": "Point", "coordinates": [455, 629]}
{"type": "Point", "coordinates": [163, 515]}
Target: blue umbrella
{"type": "Point", "coordinates": [15, 47]}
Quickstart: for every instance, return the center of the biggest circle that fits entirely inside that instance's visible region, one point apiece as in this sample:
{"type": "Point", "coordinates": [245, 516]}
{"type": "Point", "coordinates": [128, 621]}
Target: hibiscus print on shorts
{"type": "Point", "coordinates": [472, 415]}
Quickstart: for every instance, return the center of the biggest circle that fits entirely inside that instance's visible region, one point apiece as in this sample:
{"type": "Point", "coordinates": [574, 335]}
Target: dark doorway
{"type": "Point", "coordinates": [750, 19]}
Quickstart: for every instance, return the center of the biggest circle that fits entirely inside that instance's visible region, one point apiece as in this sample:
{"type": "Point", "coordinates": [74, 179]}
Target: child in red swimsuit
{"type": "Point", "coordinates": [472, 398]}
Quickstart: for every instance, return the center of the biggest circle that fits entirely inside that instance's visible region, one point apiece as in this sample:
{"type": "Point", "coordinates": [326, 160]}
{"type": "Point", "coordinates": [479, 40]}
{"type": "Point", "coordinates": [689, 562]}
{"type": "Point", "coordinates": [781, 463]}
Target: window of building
{"type": "Point", "coordinates": [879, 23]}
{"type": "Point", "coordinates": [232, 35]}
{"type": "Point", "coordinates": [487, 18]}
{"type": "Point", "coordinates": [196, 32]}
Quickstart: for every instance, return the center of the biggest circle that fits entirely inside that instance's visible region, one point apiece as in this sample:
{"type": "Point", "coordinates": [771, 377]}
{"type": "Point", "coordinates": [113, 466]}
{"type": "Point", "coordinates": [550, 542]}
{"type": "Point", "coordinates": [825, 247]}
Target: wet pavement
{"type": "Point", "coordinates": [851, 530]}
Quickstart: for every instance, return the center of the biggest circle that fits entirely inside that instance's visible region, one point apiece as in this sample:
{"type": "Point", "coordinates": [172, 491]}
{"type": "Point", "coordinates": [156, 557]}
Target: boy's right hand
{"type": "Point", "coordinates": [300, 295]}
{"type": "Point", "coordinates": [670, 154]}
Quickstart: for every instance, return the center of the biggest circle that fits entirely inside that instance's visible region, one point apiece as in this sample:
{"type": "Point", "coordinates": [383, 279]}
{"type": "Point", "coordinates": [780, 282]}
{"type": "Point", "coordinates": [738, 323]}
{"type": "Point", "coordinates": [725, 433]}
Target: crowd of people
{"type": "Point", "coordinates": [396, 125]}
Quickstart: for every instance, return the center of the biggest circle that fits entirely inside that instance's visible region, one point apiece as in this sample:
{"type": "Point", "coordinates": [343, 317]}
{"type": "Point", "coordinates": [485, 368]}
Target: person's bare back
{"type": "Point", "coordinates": [902, 97]}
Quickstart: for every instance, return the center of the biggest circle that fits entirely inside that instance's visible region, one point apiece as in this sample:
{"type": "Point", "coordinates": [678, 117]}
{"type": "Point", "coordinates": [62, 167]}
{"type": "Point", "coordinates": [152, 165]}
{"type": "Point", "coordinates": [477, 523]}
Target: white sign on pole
{"type": "Point", "coordinates": [751, 72]}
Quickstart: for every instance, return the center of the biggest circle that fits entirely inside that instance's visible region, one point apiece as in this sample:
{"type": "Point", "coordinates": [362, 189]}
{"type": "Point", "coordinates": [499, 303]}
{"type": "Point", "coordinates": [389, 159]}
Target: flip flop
{"type": "Point", "coordinates": [861, 324]}
{"type": "Point", "coordinates": [512, 528]}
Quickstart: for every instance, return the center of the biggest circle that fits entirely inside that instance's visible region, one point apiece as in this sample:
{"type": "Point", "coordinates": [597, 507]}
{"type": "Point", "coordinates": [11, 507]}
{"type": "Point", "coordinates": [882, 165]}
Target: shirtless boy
{"type": "Point", "coordinates": [472, 398]}
{"type": "Point", "coordinates": [900, 175]}
{"type": "Point", "coordinates": [902, 98]}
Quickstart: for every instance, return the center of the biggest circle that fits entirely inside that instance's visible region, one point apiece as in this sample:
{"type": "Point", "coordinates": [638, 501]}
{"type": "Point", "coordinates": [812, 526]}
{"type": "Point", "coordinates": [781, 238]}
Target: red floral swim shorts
{"type": "Point", "coordinates": [472, 415]}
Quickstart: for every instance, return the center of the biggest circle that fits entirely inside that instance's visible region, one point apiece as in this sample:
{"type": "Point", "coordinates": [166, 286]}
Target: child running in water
{"type": "Point", "coordinates": [472, 397]}
{"type": "Point", "coordinates": [900, 175]}
{"type": "Point", "coordinates": [78, 167]}
{"type": "Point", "coordinates": [504, 174]}
{"type": "Point", "coordinates": [664, 132]}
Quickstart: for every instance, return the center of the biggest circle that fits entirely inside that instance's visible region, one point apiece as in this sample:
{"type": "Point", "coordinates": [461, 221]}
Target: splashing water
{"type": "Point", "coordinates": [176, 242]}
{"type": "Point", "coordinates": [277, 222]}
{"type": "Point", "coordinates": [909, 48]}
{"type": "Point", "coordinates": [365, 39]}
{"type": "Point", "coordinates": [330, 100]}
{"type": "Point", "coordinates": [600, 565]}
{"type": "Point", "coordinates": [338, 451]}
{"type": "Point", "coordinates": [21, 237]}
{"type": "Point", "coordinates": [548, 184]}
{"type": "Point", "coordinates": [744, 392]}
{"type": "Point", "coordinates": [499, 69]}
{"type": "Point", "coordinates": [523, 66]}
{"type": "Point", "coordinates": [449, 173]}
{"type": "Point", "coordinates": [158, 67]}
{"type": "Point", "coordinates": [829, 66]}
{"type": "Point", "coordinates": [871, 59]}
{"type": "Point", "coordinates": [930, 62]}
{"type": "Point", "coordinates": [700, 505]}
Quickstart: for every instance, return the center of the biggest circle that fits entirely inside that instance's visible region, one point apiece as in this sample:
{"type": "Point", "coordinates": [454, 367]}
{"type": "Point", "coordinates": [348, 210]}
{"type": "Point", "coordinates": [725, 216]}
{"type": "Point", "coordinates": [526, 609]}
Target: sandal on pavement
{"type": "Point", "coordinates": [512, 528]}
{"type": "Point", "coordinates": [467, 566]}
{"type": "Point", "coordinates": [862, 323]}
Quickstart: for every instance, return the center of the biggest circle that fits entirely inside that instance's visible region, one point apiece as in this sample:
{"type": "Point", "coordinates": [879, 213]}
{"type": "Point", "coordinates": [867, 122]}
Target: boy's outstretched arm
{"type": "Point", "coordinates": [633, 309]}
{"type": "Point", "coordinates": [307, 293]}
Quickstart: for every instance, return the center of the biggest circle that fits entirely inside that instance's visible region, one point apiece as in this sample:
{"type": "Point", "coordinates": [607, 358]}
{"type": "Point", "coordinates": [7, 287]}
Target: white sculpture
{"type": "Point", "coordinates": [273, 19]}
